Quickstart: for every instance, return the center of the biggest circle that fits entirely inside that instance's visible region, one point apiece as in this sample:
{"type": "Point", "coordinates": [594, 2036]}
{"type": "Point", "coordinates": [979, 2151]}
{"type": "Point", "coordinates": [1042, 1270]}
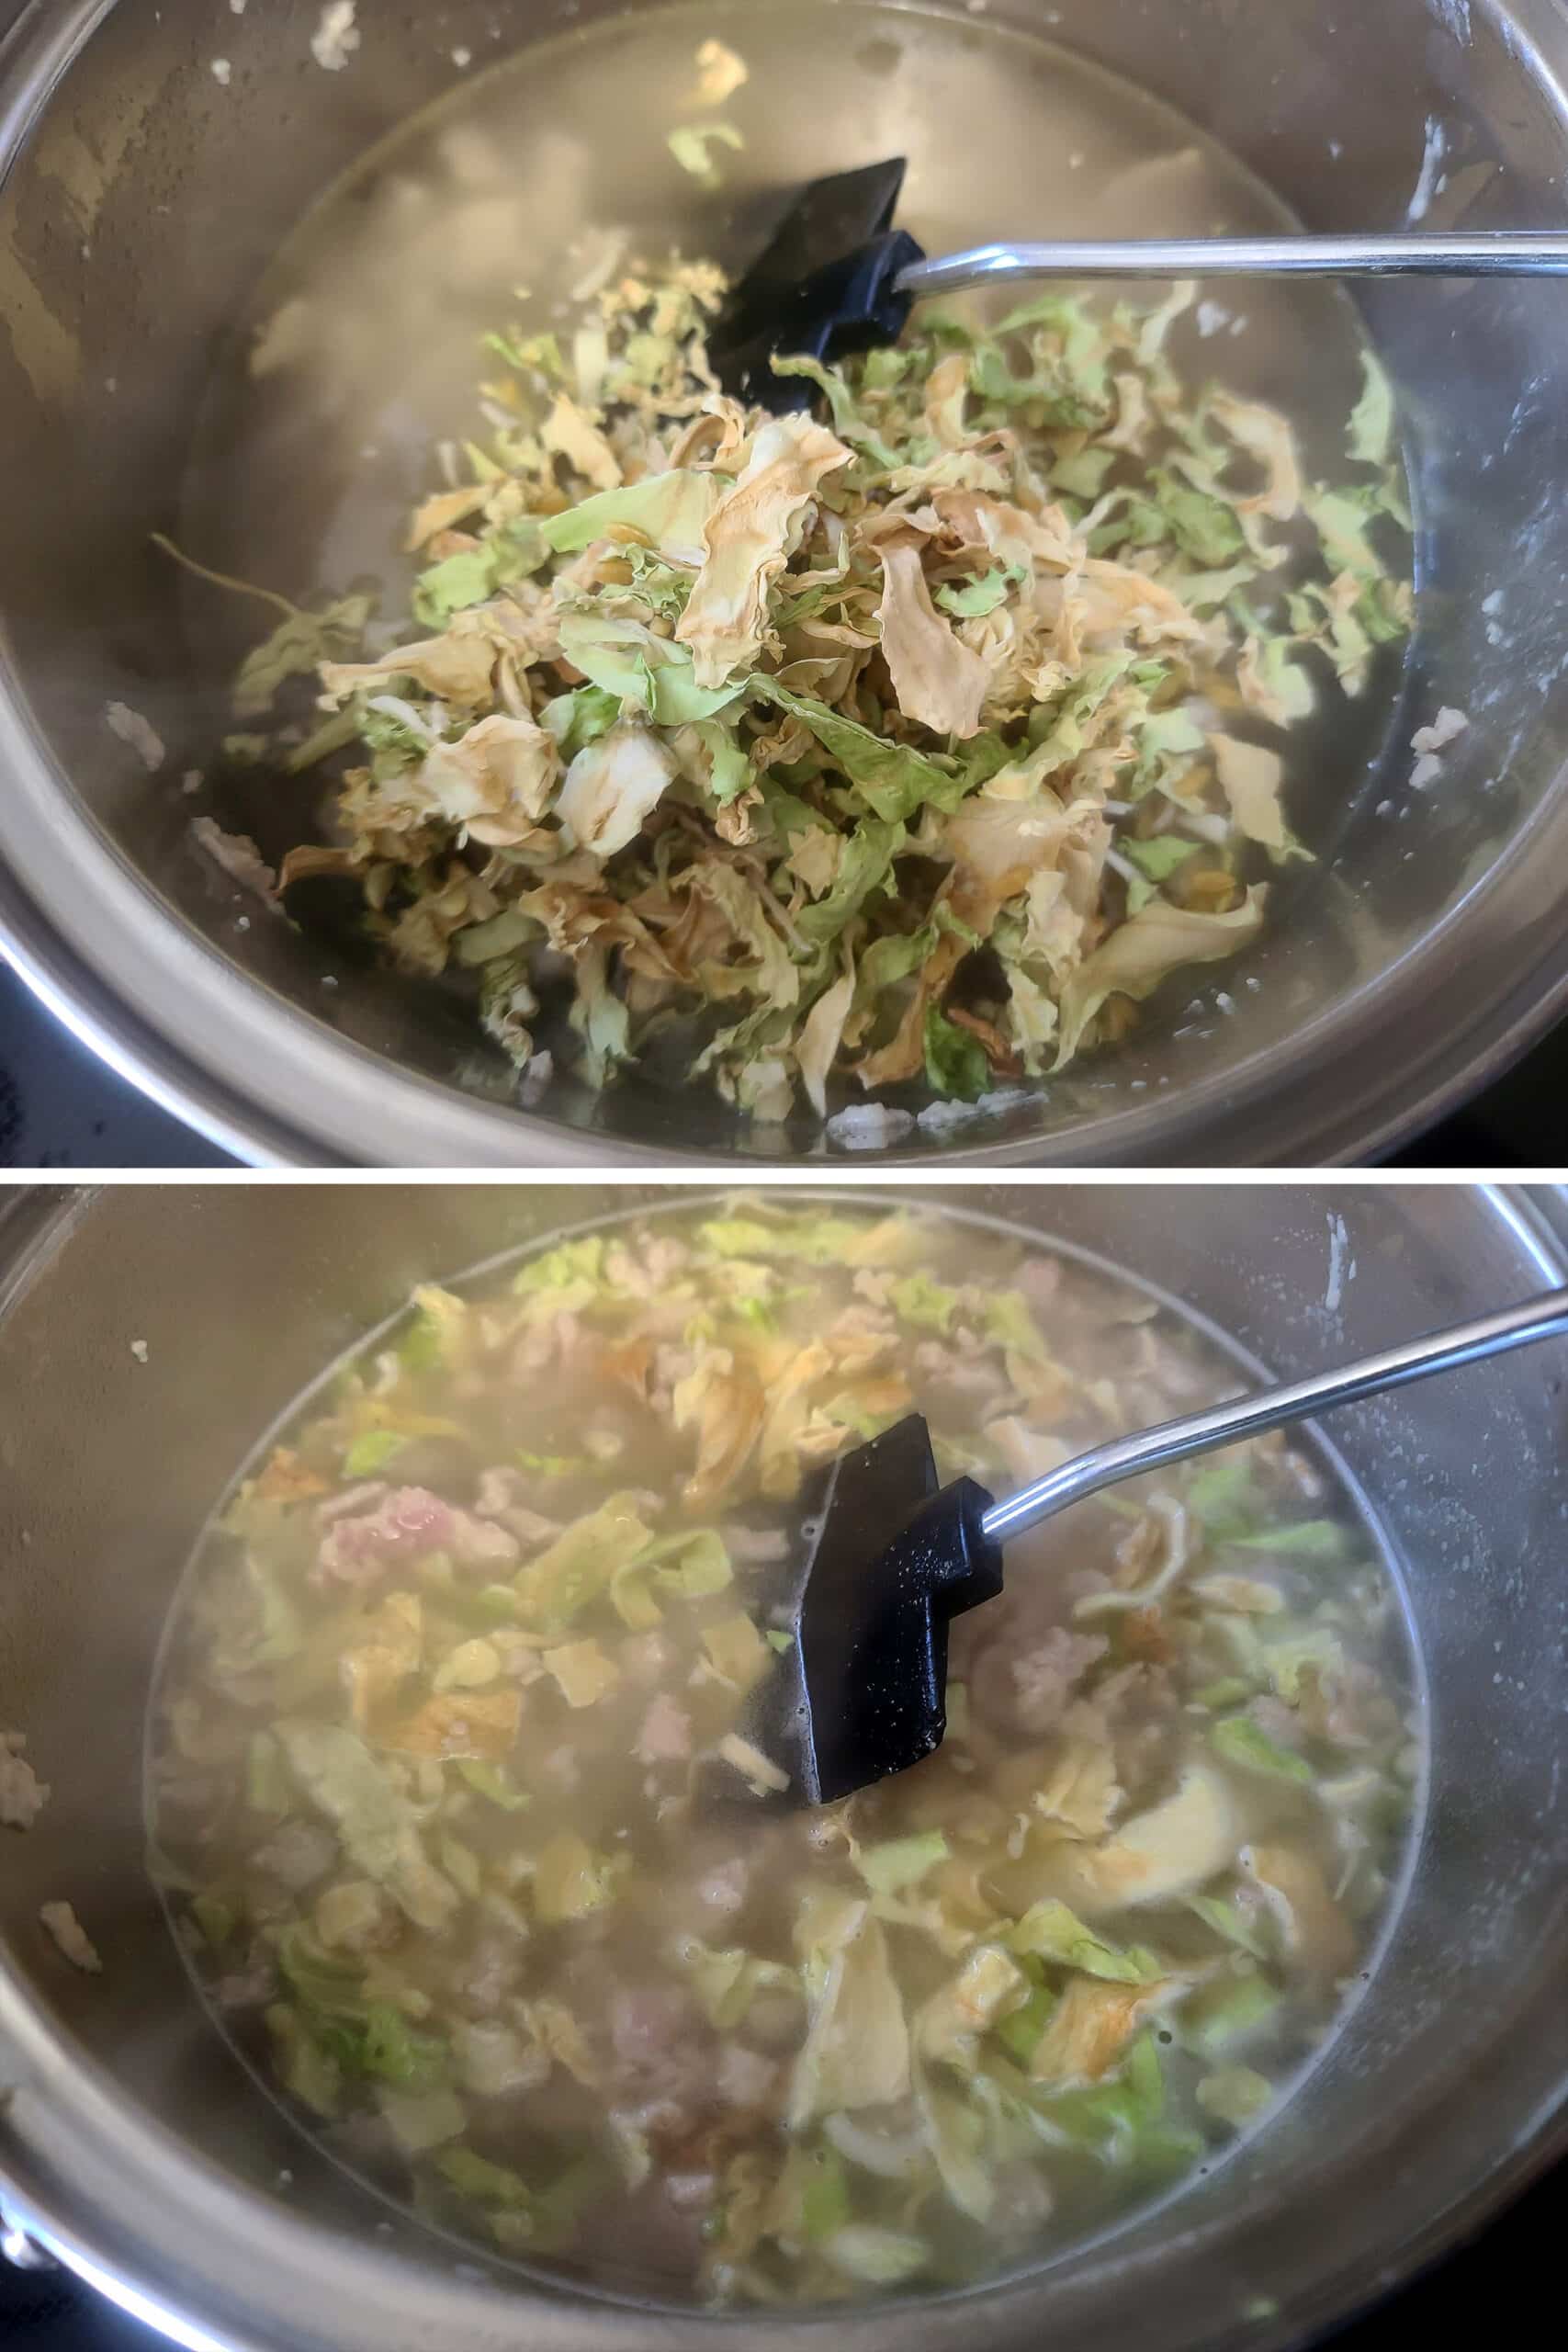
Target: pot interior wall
{"type": "Point", "coordinates": [109, 1465]}
{"type": "Point", "coordinates": [147, 203]}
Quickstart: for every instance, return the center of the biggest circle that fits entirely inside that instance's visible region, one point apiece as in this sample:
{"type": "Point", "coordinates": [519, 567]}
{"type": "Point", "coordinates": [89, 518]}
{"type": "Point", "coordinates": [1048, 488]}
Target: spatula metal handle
{"type": "Point", "coordinates": [1106, 1466]}
{"type": "Point", "coordinates": [1490, 252]}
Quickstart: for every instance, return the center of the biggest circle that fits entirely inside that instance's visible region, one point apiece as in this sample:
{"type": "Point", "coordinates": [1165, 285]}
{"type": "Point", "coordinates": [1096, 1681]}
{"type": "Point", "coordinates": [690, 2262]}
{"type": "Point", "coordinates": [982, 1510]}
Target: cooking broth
{"type": "Point", "coordinates": [472, 1852]}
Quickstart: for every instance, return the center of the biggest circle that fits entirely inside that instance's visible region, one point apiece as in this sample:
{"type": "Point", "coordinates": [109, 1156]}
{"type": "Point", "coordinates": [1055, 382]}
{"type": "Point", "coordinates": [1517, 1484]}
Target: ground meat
{"type": "Point", "coordinates": [562, 1769]}
{"type": "Point", "coordinates": [866, 1323]}
{"type": "Point", "coordinates": [757, 1546]}
{"type": "Point", "coordinates": [646, 1658]}
{"type": "Point", "coordinates": [1173, 1375]}
{"type": "Point", "coordinates": [1158, 1543]}
{"type": "Point", "coordinates": [503, 1495]}
{"type": "Point", "coordinates": [1130, 1693]}
{"type": "Point", "coordinates": [666, 1734]}
{"type": "Point", "coordinates": [556, 1341]}
{"type": "Point", "coordinates": [247, 1988]}
{"type": "Point", "coordinates": [1046, 1677]}
{"type": "Point", "coordinates": [643, 2019]}
{"type": "Point", "coordinates": [480, 1544]}
{"type": "Point", "coordinates": [1028, 1453]}
{"type": "Point", "coordinates": [366, 2142]}
{"type": "Point", "coordinates": [519, 1659]}
{"type": "Point", "coordinates": [648, 1272]}
{"type": "Point", "coordinates": [777, 2019]}
{"type": "Point", "coordinates": [1021, 2201]}
{"type": "Point", "coordinates": [1040, 1280]}
{"type": "Point", "coordinates": [744, 2076]}
{"type": "Point", "coordinates": [353, 1502]}
{"type": "Point", "coordinates": [1301, 1475]}
{"type": "Point", "coordinates": [663, 2122]}
{"type": "Point", "coordinates": [408, 1524]}
{"type": "Point", "coordinates": [862, 1337]}
{"type": "Point", "coordinates": [494, 2060]}
{"type": "Point", "coordinates": [492, 1974]}
{"type": "Point", "coordinates": [1022, 1682]}
{"type": "Point", "coordinates": [1081, 1583]}
{"type": "Point", "coordinates": [301, 1853]}
{"type": "Point", "coordinates": [1348, 1706]}
{"type": "Point", "coordinates": [22, 1795]}
{"type": "Point", "coordinates": [1142, 1706]}
{"type": "Point", "coordinates": [268, 1902]}
{"type": "Point", "coordinates": [690, 2192]}
{"type": "Point", "coordinates": [960, 1385]}
{"type": "Point", "coordinates": [356, 1916]}
{"type": "Point", "coordinates": [1138, 1553]}
{"type": "Point", "coordinates": [1021, 1620]}
{"type": "Point", "coordinates": [665, 1258]}
{"type": "Point", "coordinates": [1278, 1723]}
{"type": "Point", "coordinates": [1146, 1756]}
{"type": "Point", "coordinates": [662, 2053]}
{"type": "Point", "coordinates": [501, 1490]}
{"type": "Point", "coordinates": [643, 2234]}
{"type": "Point", "coordinates": [186, 1789]}
{"type": "Point", "coordinates": [625, 1270]}
{"type": "Point", "coordinates": [1145, 1634]}
{"type": "Point", "coordinates": [723, 1888]}
{"type": "Point", "coordinates": [674, 1362]}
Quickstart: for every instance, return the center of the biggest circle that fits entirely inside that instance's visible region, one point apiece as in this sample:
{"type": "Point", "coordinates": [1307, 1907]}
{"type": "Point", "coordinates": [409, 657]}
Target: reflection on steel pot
{"type": "Point", "coordinates": [153, 170]}
{"type": "Point", "coordinates": [133, 2145]}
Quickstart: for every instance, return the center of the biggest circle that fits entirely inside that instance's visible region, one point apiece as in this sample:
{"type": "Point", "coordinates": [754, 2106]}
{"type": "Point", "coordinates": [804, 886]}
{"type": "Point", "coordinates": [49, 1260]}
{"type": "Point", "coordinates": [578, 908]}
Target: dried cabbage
{"type": "Point", "coordinates": [827, 758]}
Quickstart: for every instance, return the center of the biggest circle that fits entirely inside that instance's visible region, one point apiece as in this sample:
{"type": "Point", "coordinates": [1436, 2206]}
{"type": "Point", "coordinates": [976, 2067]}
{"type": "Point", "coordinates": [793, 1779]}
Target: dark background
{"type": "Point", "coordinates": [60, 1107]}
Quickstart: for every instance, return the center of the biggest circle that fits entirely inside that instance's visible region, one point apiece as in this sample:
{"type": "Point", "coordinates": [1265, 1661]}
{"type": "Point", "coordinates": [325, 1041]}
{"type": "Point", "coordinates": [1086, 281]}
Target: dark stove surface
{"type": "Point", "coordinates": [1463, 2298]}
{"type": "Point", "coordinates": [60, 1107]}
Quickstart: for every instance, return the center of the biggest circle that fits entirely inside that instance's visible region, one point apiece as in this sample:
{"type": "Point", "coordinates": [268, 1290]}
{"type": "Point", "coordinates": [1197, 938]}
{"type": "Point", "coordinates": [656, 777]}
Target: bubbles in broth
{"type": "Point", "coordinates": [480, 1866]}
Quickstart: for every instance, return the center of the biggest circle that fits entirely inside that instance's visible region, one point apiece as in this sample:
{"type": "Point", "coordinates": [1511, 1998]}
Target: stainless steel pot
{"type": "Point", "coordinates": [140, 200]}
{"type": "Point", "coordinates": [132, 2143]}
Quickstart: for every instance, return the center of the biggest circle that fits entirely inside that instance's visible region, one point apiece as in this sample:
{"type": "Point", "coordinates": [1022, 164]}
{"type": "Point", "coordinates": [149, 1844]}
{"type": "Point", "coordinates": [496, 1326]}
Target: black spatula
{"type": "Point", "coordinates": [895, 1559]}
{"type": "Point", "coordinates": [837, 277]}
{"type": "Point", "coordinates": [824, 288]}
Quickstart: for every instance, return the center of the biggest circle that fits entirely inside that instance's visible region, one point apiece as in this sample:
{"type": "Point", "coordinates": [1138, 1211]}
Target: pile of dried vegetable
{"type": "Point", "coordinates": [817, 759]}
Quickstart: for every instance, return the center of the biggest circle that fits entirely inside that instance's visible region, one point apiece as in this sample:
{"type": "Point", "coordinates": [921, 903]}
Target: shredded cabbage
{"type": "Point", "coordinates": [830, 758]}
